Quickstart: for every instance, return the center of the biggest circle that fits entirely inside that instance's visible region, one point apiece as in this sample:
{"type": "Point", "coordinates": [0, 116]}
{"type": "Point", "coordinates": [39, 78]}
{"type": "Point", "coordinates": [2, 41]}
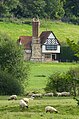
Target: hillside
{"type": "Point", "coordinates": [60, 29]}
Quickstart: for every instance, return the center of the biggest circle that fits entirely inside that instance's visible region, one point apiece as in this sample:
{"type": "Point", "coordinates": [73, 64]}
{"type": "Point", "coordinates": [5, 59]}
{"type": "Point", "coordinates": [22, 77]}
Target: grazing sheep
{"type": "Point", "coordinates": [59, 94]}
{"type": "Point", "coordinates": [65, 93]}
{"type": "Point", "coordinates": [13, 97]}
{"type": "Point", "coordinates": [26, 100]}
{"type": "Point", "coordinates": [23, 104]}
{"type": "Point", "coordinates": [50, 109]}
{"type": "Point", "coordinates": [37, 95]}
{"type": "Point", "coordinates": [49, 94]}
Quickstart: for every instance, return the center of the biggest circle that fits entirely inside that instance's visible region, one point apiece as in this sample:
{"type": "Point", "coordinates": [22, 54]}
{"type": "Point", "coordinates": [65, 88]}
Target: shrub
{"type": "Point", "coordinates": [59, 82]}
{"type": "Point", "coordinates": [9, 84]}
{"type": "Point", "coordinates": [13, 69]}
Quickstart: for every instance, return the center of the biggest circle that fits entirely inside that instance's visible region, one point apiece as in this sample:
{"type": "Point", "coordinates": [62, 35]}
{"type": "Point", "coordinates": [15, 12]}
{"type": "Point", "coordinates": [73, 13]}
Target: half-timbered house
{"type": "Point", "coordinates": [44, 47]}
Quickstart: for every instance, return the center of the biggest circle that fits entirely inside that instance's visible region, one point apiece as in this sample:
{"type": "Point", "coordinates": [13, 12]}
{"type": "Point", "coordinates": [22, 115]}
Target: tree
{"type": "Point", "coordinates": [74, 47]}
{"type": "Point", "coordinates": [54, 9]}
{"type": "Point", "coordinates": [71, 7]}
{"type": "Point", "coordinates": [32, 8]}
{"type": "Point", "coordinates": [12, 63]}
{"type": "Point", "coordinates": [6, 7]}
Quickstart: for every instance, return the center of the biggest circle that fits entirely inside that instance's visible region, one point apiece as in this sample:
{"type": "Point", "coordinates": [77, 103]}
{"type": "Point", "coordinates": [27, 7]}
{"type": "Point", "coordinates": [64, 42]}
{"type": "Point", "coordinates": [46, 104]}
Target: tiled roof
{"type": "Point", "coordinates": [26, 41]}
{"type": "Point", "coordinates": [44, 35]}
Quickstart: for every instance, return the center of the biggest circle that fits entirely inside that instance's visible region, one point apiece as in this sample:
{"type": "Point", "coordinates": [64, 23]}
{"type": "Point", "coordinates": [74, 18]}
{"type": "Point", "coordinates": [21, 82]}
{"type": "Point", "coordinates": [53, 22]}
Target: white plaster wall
{"type": "Point", "coordinates": [50, 51]}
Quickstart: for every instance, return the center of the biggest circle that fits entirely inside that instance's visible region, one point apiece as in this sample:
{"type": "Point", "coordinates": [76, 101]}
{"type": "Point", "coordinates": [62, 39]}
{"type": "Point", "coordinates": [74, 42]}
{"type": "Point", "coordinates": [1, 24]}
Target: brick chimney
{"type": "Point", "coordinates": [35, 27]}
{"type": "Point", "coordinates": [36, 46]}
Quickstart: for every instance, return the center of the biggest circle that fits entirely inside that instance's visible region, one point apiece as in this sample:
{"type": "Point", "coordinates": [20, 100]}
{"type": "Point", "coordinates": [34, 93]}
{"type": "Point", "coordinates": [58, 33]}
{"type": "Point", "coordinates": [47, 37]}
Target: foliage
{"type": "Point", "coordinates": [54, 9]}
{"type": "Point", "coordinates": [60, 82]}
{"type": "Point", "coordinates": [6, 7]}
{"type": "Point", "coordinates": [66, 10]}
{"type": "Point", "coordinates": [9, 84]}
{"type": "Point", "coordinates": [67, 54]}
{"type": "Point", "coordinates": [36, 83]}
{"type": "Point", "coordinates": [74, 46]}
{"type": "Point", "coordinates": [11, 63]}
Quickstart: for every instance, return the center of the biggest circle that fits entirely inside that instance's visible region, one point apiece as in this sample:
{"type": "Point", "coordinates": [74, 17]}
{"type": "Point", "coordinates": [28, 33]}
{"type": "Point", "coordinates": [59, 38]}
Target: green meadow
{"type": "Point", "coordinates": [60, 29]}
{"type": "Point", "coordinates": [38, 76]}
{"type": "Point", "coordinates": [39, 73]}
{"type": "Point", "coordinates": [66, 106]}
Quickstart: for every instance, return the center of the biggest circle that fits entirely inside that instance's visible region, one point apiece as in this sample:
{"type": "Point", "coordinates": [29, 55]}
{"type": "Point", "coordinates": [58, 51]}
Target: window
{"type": "Point", "coordinates": [51, 47]}
{"type": "Point", "coordinates": [47, 56]}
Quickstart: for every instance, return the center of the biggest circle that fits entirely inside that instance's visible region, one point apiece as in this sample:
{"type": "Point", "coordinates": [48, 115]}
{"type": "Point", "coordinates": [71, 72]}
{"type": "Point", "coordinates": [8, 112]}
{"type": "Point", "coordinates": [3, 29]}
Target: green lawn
{"type": "Point", "coordinates": [66, 106]}
{"type": "Point", "coordinates": [39, 73]}
{"type": "Point", "coordinates": [61, 30]}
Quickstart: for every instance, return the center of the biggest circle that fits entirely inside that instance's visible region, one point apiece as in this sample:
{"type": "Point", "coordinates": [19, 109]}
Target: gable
{"type": "Point", "coordinates": [51, 40]}
{"type": "Point", "coordinates": [48, 37]}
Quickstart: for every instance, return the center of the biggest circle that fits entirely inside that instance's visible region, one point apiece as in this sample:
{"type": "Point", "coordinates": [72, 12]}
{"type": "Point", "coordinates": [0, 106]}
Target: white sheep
{"type": "Point", "coordinates": [65, 93]}
{"type": "Point", "coordinates": [50, 109]}
{"type": "Point", "coordinates": [23, 104]}
{"type": "Point", "coordinates": [13, 97]}
{"type": "Point", "coordinates": [26, 100]}
{"type": "Point", "coordinates": [37, 95]}
{"type": "Point", "coordinates": [49, 94]}
{"type": "Point", "coordinates": [59, 94]}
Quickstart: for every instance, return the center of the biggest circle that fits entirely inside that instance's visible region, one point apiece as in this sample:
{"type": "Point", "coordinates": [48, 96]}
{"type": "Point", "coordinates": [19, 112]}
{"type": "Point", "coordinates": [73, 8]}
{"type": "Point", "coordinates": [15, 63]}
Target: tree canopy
{"type": "Point", "coordinates": [67, 10]}
{"type": "Point", "coordinates": [13, 70]}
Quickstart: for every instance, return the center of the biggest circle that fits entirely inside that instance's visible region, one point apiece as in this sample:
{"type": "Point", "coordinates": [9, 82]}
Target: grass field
{"type": "Point", "coordinates": [39, 73]}
{"type": "Point", "coordinates": [61, 30]}
{"type": "Point", "coordinates": [66, 106]}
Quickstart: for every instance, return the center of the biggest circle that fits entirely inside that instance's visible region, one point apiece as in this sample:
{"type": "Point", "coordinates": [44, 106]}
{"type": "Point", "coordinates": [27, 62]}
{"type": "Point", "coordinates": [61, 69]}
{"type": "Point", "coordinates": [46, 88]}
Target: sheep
{"type": "Point", "coordinates": [65, 93]}
{"type": "Point", "coordinates": [26, 100]}
{"type": "Point", "coordinates": [59, 94]}
{"type": "Point", "coordinates": [50, 109]}
{"type": "Point", "coordinates": [37, 95]}
{"type": "Point", "coordinates": [49, 94]}
{"type": "Point", "coordinates": [23, 104]}
{"type": "Point", "coordinates": [13, 97]}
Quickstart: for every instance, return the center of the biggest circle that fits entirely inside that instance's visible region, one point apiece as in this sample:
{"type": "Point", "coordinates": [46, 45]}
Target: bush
{"type": "Point", "coordinates": [9, 84]}
{"type": "Point", "coordinates": [67, 54]}
{"type": "Point", "coordinates": [59, 82]}
{"type": "Point", "coordinates": [13, 69]}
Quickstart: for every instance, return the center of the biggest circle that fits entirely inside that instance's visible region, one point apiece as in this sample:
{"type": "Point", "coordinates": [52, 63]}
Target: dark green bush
{"type": "Point", "coordinates": [59, 82]}
{"type": "Point", "coordinates": [13, 69]}
{"type": "Point", "coordinates": [67, 54]}
{"type": "Point", "coordinates": [9, 84]}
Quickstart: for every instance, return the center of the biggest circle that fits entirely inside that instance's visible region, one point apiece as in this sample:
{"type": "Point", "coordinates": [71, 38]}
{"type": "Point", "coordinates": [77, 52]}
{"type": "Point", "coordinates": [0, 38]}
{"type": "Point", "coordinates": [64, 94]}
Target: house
{"type": "Point", "coordinates": [44, 47]}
